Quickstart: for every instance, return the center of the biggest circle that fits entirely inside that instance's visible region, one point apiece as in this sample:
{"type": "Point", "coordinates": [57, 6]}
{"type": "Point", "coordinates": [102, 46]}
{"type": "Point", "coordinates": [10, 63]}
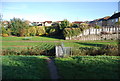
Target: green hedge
{"type": "Point", "coordinates": [69, 32]}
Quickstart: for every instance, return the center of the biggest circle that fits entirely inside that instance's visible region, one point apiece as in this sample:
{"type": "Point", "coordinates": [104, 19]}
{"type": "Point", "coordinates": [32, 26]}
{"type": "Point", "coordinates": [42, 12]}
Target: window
{"type": "Point", "coordinates": [116, 20]}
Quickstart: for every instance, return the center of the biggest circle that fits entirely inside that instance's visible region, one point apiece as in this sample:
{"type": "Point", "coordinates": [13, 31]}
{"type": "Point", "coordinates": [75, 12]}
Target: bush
{"type": "Point", "coordinates": [43, 49]}
{"type": "Point", "coordinates": [32, 31]}
{"type": "Point", "coordinates": [40, 31]}
{"type": "Point", "coordinates": [108, 50]}
{"type": "Point", "coordinates": [52, 30]}
{"type": "Point", "coordinates": [5, 35]}
{"type": "Point", "coordinates": [69, 32]}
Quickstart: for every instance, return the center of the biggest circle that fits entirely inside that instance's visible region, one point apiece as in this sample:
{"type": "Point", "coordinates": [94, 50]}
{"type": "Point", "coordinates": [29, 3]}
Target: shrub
{"type": "Point", "coordinates": [4, 30]}
{"type": "Point", "coordinates": [51, 30]}
{"type": "Point", "coordinates": [69, 32]}
{"type": "Point", "coordinates": [32, 31]}
{"type": "Point", "coordinates": [43, 49]}
{"type": "Point", "coordinates": [5, 35]}
{"type": "Point", "coordinates": [108, 50]}
{"type": "Point", "coordinates": [40, 31]}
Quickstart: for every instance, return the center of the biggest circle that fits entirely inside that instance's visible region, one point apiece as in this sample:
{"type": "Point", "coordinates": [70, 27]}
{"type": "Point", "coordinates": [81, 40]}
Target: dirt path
{"type": "Point", "coordinates": [53, 69]}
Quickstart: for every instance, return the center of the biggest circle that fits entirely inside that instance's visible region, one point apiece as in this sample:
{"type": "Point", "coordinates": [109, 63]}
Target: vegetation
{"type": "Point", "coordinates": [70, 32]}
{"type": "Point", "coordinates": [24, 67]}
{"type": "Point", "coordinates": [64, 24]}
{"type": "Point", "coordinates": [48, 48]}
{"type": "Point", "coordinates": [42, 49]}
{"type": "Point", "coordinates": [88, 67]}
{"type": "Point", "coordinates": [18, 26]}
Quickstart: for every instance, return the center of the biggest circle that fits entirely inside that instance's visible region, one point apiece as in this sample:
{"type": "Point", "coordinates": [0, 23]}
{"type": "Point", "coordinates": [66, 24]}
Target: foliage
{"type": "Point", "coordinates": [108, 50]}
{"type": "Point", "coordinates": [42, 49]}
{"type": "Point", "coordinates": [97, 26]}
{"type": "Point", "coordinates": [64, 24]}
{"type": "Point", "coordinates": [17, 26]}
{"type": "Point", "coordinates": [5, 35]}
{"type": "Point", "coordinates": [32, 31]}
{"type": "Point", "coordinates": [69, 32]}
{"type": "Point", "coordinates": [40, 31]}
{"type": "Point", "coordinates": [75, 25]}
{"type": "Point", "coordinates": [117, 23]}
{"type": "Point", "coordinates": [5, 31]}
{"type": "Point", "coordinates": [51, 30]}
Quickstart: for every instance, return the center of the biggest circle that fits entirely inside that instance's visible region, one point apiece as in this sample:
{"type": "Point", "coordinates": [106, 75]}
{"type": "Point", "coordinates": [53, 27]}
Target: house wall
{"type": "Point", "coordinates": [48, 24]}
{"type": "Point", "coordinates": [113, 21]}
{"type": "Point", "coordinates": [99, 23]}
{"type": "Point", "coordinates": [104, 23]}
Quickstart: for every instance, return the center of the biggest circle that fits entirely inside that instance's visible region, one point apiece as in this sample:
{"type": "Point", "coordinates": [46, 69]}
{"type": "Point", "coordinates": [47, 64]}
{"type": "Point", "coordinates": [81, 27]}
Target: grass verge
{"type": "Point", "coordinates": [24, 67]}
{"type": "Point", "coordinates": [89, 67]}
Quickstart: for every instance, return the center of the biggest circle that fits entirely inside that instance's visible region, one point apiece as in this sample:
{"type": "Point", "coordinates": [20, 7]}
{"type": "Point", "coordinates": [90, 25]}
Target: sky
{"type": "Point", "coordinates": [57, 11]}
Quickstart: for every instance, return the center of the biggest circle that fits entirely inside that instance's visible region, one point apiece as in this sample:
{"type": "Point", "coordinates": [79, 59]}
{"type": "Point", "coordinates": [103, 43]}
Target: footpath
{"type": "Point", "coordinates": [53, 69]}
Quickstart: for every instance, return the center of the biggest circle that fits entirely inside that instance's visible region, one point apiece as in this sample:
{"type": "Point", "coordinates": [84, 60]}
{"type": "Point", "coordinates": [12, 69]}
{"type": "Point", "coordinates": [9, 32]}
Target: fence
{"type": "Point", "coordinates": [104, 33]}
{"type": "Point", "coordinates": [62, 51]}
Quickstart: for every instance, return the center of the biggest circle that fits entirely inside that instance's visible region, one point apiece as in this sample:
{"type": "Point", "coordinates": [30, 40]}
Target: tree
{"type": "Point", "coordinates": [18, 26]}
{"type": "Point", "coordinates": [32, 31]}
{"type": "Point", "coordinates": [64, 24]}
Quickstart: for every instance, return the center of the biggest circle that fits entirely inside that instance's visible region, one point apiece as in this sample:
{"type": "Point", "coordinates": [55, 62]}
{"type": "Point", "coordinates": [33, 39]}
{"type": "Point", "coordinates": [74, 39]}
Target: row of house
{"type": "Point", "coordinates": [49, 23]}
{"type": "Point", "coordinates": [106, 21]}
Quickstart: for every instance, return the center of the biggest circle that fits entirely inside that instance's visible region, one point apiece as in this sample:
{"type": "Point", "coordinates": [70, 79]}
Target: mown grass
{"type": "Point", "coordinates": [89, 67]}
{"type": "Point", "coordinates": [24, 67]}
{"type": "Point", "coordinates": [70, 43]}
{"type": "Point", "coordinates": [29, 39]}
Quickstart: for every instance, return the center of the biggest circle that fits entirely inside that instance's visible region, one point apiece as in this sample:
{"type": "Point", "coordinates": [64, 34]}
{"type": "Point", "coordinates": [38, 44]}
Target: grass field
{"type": "Point", "coordinates": [24, 67]}
{"type": "Point", "coordinates": [30, 39]}
{"type": "Point", "coordinates": [89, 67]}
{"type": "Point", "coordinates": [9, 42]}
{"type": "Point", "coordinates": [35, 67]}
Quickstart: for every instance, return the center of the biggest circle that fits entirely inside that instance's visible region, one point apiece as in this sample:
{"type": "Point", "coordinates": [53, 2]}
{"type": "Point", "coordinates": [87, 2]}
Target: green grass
{"type": "Point", "coordinates": [67, 43]}
{"type": "Point", "coordinates": [89, 67]}
{"type": "Point", "coordinates": [24, 67]}
{"type": "Point", "coordinates": [30, 39]}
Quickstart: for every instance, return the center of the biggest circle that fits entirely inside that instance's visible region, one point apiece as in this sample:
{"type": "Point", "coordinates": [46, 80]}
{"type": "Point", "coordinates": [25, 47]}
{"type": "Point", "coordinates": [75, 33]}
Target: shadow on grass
{"type": "Point", "coordinates": [59, 36]}
{"type": "Point", "coordinates": [24, 67]}
{"type": "Point", "coordinates": [90, 44]}
{"type": "Point", "coordinates": [88, 69]}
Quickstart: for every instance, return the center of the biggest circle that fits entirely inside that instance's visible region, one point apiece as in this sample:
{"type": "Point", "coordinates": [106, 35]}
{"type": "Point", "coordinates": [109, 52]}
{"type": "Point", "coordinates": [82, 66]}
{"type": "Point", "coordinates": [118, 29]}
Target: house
{"type": "Point", "coordinates": [93, 23]}
{"type": "Point", "coordinates": [5, 23]}
{"type": "Point", "coordinates": [47, 23]}
{"type": "Point", "coordinates": [59, 22]}
{"type": "Point", "coordinates": [35, 23]}
{"type": "Point", "coordinates": [28, 22]}
{"type": "Point", "coordinates": [77, 22]}
{"type": "Point", "coordinates": [103, 21]}
{"type": "Point", "coordinates": [114, 19]}
{"type": "Point", "coordinates": [100, 21]}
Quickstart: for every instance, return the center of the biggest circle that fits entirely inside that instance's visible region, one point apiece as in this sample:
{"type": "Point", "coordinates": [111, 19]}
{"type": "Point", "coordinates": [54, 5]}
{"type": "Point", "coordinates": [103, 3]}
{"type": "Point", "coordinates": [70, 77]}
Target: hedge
{"type": "Point", "coordinates": [70, 32]}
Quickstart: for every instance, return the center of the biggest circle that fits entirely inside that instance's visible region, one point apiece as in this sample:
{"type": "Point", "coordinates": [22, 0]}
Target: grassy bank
{"type": "Point", "coordinates": [24, 67]}
{"type": "Point", "coordinates": [89, 67]}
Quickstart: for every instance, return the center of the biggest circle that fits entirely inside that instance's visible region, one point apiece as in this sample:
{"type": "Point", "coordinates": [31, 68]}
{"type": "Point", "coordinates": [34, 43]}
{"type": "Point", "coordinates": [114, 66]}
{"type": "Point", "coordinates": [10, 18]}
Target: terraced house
{"type": "Point", "coordinates": [114, 19]}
